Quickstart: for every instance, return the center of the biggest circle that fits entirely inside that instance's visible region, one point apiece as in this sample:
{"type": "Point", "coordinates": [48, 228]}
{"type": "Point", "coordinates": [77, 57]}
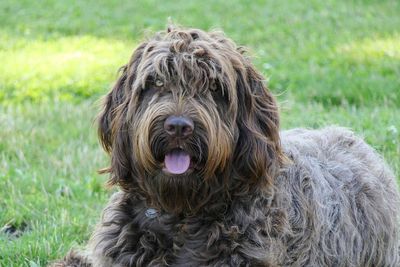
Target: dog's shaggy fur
{"type": "Point", "coordinates": [253, 196]}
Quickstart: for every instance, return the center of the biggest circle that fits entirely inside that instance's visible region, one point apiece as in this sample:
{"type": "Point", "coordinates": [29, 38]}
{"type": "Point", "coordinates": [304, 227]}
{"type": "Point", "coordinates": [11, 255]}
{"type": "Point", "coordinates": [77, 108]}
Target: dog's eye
{"type": "Point", "coordinates": [213, 85]}
{"type": "Point", "coordinates": [158, 83]}
{"type": "Point", "coordinates": [219, 94]}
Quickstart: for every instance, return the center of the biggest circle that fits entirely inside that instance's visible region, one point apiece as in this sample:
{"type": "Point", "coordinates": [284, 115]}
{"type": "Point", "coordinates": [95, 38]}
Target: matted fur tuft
{"type": "Point", "coordinates": [253, 196]}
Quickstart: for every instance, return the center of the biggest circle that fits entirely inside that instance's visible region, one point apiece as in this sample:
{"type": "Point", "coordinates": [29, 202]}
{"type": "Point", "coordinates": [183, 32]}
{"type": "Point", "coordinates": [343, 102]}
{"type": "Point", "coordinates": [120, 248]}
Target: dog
{"type": "Point", "coordinates": [206, 177]}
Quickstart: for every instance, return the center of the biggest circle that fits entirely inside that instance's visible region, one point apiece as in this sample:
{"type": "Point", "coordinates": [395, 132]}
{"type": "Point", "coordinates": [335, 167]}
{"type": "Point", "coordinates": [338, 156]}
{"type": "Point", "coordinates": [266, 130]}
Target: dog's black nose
{"type": "Point", "coordinates": [179, 126]}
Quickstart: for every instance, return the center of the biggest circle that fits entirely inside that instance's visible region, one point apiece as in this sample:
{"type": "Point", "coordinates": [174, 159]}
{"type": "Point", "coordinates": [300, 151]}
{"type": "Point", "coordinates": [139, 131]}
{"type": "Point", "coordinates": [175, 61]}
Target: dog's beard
{"type": "Point", "coordinates": [175, 193]}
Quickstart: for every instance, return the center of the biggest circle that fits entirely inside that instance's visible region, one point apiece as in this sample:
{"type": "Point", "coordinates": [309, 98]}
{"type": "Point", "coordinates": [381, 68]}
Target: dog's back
{"type": "Point", "coordinates": [343, 201]}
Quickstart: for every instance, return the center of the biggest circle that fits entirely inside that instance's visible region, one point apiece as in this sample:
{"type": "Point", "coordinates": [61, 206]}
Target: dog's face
{"type": "Point", "coordinates": [188, 120]}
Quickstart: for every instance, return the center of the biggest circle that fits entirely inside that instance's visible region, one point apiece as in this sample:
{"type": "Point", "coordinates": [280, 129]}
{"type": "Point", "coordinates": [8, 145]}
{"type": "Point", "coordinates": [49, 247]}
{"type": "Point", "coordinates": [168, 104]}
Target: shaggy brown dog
{"type": "Point", "coordinates": [207, 179]}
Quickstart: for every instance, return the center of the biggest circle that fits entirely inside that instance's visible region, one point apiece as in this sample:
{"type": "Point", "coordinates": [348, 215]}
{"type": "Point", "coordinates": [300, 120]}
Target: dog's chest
{"type": "Point", "coordinates": [203, 242]}
{"type": "Point", "coordinates": [133, 235]}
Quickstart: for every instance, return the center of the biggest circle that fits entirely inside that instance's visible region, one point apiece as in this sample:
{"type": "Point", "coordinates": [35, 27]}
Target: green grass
{"type": "Point", "coordinates": [330, 62]}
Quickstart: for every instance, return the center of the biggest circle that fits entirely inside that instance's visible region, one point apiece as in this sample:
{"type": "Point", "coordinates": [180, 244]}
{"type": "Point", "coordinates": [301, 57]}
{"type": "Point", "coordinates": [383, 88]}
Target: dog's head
{"type": "Point", "coordinates": [189, 120]}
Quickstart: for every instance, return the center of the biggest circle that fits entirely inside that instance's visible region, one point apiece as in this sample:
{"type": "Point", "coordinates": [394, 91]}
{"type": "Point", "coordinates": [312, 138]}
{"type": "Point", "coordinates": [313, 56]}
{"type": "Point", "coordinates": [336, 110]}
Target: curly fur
{"type": "Point", "coordinates": [256, 196]}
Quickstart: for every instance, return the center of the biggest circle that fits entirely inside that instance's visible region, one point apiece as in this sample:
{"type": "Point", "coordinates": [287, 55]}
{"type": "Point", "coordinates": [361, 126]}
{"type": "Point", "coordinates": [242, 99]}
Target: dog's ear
{"type": "Point", "coordinates": [106, 118]}
{"type": "Point", "coordinates": [113, 101]}
{"type": "Point", "coordinates": [258, 152]}
{"type": "Point", "coordinates": [112, 126]}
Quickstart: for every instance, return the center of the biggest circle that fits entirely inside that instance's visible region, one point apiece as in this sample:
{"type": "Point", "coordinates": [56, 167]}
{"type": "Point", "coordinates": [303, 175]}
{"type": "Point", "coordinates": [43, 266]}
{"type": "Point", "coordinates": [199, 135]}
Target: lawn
{"type": "Point", "coordinates": [328, 61]}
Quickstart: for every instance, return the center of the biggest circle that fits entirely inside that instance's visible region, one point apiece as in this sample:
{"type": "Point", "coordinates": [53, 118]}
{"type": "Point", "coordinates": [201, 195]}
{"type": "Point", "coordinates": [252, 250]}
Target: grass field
{"type": "Point", "coordinates": [329, 62]}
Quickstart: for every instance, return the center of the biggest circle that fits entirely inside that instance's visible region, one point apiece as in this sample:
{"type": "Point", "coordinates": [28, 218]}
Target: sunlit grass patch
{"type": "Point", "coordinates": [362, 72]}
{"type": "Point", "coordinates": [67, 68]}
{"type": "Point", "coordinates": [371, 49]}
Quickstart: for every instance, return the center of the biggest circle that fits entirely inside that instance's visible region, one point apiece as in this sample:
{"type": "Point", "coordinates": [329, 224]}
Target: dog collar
{"type": "Point", "coordinates": [151, 213]}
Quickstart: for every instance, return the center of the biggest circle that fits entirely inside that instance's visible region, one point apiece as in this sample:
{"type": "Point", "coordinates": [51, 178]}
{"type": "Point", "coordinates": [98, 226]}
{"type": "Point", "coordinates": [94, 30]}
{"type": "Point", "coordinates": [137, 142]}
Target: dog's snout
{"type": "Point", "coordinates": [179, 126]}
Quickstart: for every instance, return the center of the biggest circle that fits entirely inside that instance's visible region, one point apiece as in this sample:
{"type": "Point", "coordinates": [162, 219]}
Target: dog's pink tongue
{"type": "Point", "coordinates": [177, 161]}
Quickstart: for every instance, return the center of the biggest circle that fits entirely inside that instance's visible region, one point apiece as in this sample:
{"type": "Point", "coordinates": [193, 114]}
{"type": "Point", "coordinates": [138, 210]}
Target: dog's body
{"type": "Point", "coordinates": [228, 189]}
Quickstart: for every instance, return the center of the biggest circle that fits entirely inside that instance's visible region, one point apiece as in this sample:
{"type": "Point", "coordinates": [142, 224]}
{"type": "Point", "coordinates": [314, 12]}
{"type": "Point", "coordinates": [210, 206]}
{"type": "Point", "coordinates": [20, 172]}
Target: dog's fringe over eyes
{"type": "Point", "coordinates": [206, 77]}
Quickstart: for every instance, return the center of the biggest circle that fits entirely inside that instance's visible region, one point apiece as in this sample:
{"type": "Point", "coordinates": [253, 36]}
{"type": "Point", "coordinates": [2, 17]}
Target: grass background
{"type": "Point", "coordinates": [329, 62]}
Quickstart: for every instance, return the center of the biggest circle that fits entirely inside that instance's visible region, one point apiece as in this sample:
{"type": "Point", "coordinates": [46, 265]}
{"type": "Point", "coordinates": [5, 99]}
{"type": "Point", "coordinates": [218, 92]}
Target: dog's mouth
{"type": "Point", "coordinates": [177, 161]}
